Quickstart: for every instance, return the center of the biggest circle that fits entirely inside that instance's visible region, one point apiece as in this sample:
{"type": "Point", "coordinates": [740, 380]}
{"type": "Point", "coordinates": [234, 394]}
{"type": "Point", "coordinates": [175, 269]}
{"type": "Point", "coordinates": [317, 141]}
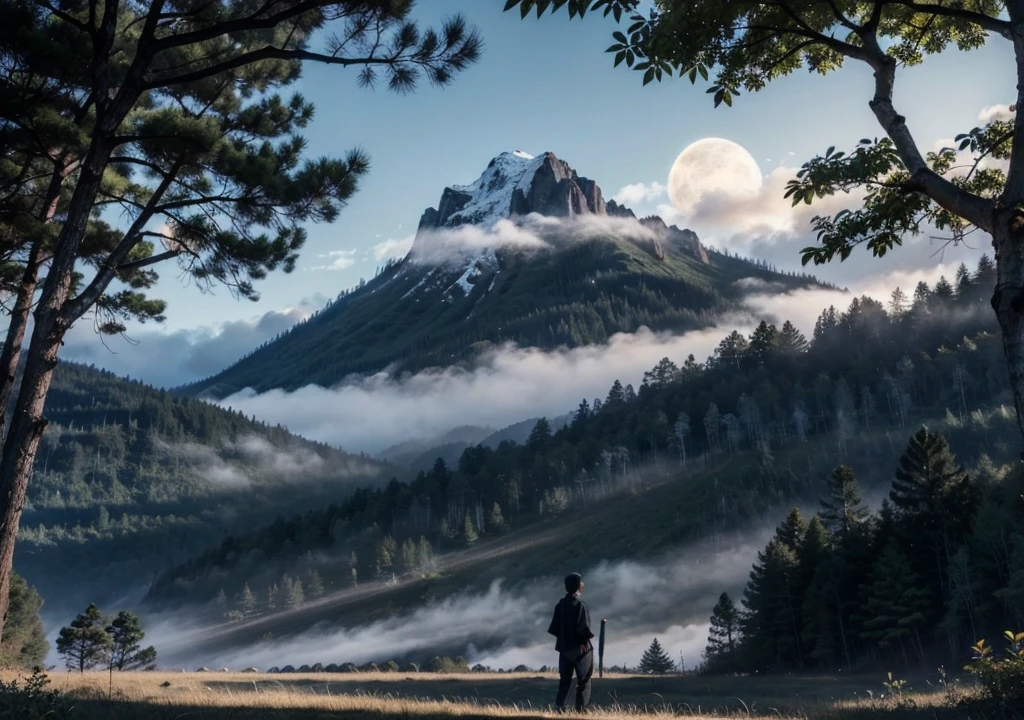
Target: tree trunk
{"type": "Point", "coordinates": [27, 421]}
{"type": "Point", "coordinates": [26, 430]}
{"type": "Point", "coordinates": [11, 355]}
{"type": "Point", "coordinates": [1008, 303]}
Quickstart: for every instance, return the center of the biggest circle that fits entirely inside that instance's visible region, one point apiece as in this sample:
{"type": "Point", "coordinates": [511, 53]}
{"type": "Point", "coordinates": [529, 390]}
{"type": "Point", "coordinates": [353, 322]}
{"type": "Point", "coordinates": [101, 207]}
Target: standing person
{"type": "Point", "coordinates": [571, 625]}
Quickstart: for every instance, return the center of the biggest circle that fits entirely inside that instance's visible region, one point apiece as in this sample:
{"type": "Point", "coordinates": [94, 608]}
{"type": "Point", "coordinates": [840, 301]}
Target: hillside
{"type": "Point", "coordinates": [529, 254]}
{"type": "Point", "coordinates": [130, 480]}
{"type": "Point", "coordinates": [699, 453]}
{"type": "Point", "coordinates": [421, 454]}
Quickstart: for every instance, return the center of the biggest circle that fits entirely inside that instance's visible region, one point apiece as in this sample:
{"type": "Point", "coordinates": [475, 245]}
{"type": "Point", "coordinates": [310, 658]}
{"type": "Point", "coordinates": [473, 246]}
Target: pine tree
{"type": "Point", "coordinates": [386, 555]}
{"type": "Point", "coordinates": [964, 282]}
{"type": "Point", "coordinates": [272, 593]}
{"type": "Point", "coordinates": [763, 342]}
{"type": "Point", "coordinates": [246, 604]}
{"type": "Point", "coordinates": [790, 533]}
{"type": "Point", "coordinates": [616, 396]}
{"type": "Point", "coordinates": [656, 661]}
{"type": "Point", "coordinates": [895, 605]}
{"type": "Point", "coordinates": [24, 643]}
{"type": "Point", "coordinates": [932, 493]}
{"type": "Point", "coordinates": [771, 623]}
{"type": "Point", "coordinates": [842, 509]}
{"type": "Point", "coordinates": [316, 584]}
{"type": "Point", "coordinates": [791, 341]}
{"type": "Point", "coordinates": [469, 535]}
{"type": "Point", "coordinates": [126, 651]}
{"type": "Point", "coordinates": [497, 520]}
{"type": "Point", "coordinates": [295, 595]}
{"type": "Point", "coordinates": [425, 555]}
{"type": "Point", "coordinates": [724, 636]}
{"type": "Point", "coordinates": [407, 556]}
{"type": "Point", "coordinates": [85, 643]}
{"type": "Point", "coordinates": [819, 618]}
{"type": "Point", "coordinates": [540, 434]}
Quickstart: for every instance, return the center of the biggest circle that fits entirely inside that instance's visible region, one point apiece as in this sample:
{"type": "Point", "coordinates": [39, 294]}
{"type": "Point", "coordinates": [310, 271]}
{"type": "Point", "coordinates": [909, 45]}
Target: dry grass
{"type": "Point", "coordinates": [425, 696]}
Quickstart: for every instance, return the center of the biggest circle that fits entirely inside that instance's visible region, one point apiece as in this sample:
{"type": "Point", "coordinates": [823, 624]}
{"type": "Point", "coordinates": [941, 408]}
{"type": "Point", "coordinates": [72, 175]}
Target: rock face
{"type": "Point", "coordinates": [684, 240]}
{"type": "Point", "coordinates": [516, 184]}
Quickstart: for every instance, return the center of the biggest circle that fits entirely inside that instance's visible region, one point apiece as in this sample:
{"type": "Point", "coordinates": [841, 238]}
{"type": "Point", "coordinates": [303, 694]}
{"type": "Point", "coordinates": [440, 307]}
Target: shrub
{"type": "Point", "coordinates": [348, 668]}
{"type": "Point", "coordinates": [1002, 679]}
{"type": "Point", "coordinates": [447, 665]}
{"type": "Point", "coordinates": [32, 699]}
{"type": "Point", "coordinates": [390, 666]}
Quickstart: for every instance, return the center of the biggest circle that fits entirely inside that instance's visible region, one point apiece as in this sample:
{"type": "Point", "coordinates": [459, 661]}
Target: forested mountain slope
{"type": "Point", "coordinates": [130, 479]}
{"type": "Point", "coordinates": [762, 423]}
{"type": "Point", "coordinates": [572, 271]}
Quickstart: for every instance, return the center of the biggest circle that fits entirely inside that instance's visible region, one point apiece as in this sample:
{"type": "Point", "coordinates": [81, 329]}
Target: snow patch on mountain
{"type": "Point", "coordinates": [480, 265]}
{"type": "Point", "coordinates": [492, 191]}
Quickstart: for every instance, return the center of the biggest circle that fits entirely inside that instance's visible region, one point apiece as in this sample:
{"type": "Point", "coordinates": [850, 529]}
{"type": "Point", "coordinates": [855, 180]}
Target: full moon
{"type": "Point", "coordinates": [712, 166]}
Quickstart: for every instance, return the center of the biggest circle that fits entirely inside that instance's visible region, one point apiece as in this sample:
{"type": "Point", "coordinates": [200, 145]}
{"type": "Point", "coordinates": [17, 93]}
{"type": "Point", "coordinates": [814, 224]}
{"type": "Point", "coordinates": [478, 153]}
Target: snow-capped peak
{"type": "Point", "coordinates": [491, 194]}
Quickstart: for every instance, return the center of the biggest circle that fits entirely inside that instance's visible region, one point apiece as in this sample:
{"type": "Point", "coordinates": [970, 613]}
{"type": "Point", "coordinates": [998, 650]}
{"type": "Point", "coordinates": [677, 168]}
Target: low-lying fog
{"type": "Point", "coordinates": [503, 627]}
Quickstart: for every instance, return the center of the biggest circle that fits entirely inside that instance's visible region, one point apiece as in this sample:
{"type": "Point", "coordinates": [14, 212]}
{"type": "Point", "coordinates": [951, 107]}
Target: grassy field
{"type": "Point", "coordinates": [237, 696]}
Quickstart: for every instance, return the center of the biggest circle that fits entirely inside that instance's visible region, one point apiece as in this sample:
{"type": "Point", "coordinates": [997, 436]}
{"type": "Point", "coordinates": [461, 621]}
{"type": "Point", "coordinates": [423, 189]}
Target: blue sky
{"type": "Point", "coordinates": [544, 85]}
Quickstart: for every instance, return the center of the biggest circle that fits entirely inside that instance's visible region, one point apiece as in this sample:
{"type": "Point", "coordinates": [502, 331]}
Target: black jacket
{"type": "Point", "coordinates": [571, 626]}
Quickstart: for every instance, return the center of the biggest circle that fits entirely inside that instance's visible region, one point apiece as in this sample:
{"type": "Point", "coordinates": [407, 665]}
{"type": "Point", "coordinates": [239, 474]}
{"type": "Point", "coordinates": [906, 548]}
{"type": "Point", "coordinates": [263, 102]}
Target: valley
{"type": "Point", "coordinates": [400, 409]}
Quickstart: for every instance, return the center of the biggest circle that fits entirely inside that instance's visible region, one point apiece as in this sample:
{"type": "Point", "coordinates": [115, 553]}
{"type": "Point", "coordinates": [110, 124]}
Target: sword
{"type": "Point", "coordinates": [600, 650]}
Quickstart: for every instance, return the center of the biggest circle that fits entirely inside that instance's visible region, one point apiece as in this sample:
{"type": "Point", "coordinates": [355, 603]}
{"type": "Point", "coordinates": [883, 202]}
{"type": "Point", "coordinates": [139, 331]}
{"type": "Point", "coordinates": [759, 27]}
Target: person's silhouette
{"type": "Point", "coordinates": [571, 626]}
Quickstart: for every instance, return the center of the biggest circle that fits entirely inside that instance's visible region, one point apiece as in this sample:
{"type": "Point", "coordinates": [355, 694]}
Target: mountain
{"type": "Point", "coordinates": [129, 480]}
{"type": "Point", "coordinates": [422, 454]}
{"type": "Point", "coordinates": [530, 254]}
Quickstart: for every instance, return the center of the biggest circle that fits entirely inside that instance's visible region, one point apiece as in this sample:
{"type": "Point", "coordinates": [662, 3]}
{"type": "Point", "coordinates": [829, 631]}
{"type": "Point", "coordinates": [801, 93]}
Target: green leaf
{"type": "Point", "coordinates": [649, 75]}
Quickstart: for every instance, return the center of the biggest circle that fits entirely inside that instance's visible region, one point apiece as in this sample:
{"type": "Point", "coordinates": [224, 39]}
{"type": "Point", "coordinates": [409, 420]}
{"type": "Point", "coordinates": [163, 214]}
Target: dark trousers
{"type": "Point", "coordinates": [583, 667]}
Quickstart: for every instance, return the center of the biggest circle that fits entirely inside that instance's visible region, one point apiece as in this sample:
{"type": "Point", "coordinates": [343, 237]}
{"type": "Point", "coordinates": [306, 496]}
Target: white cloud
{"type": "Point", "coordinates": [438, 246]}
{"type": "Point", "coordinates": [509, 384]}
{"type": "Point", "coordinates": [168, 359]}
{"type": "Point", "coordinates": [339, 260]}
{"type": "Point", "coordinates": [533, 232]}
{"type": "Point", "coordinates": [252, 458]}
{"type": "Point", "coordinates": [995, 112]}
{"type": "Point", "coordinates": [638, 193]}
{"type": "Point", "coordinates": [392, 248]}
{"type": "Point", "coordinates": [733, 221]}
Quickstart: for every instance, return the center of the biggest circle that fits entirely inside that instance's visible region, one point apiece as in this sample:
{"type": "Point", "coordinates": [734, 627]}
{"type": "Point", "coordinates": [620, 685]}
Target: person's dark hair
{"type": "Point", "coordinates": [573, 582]}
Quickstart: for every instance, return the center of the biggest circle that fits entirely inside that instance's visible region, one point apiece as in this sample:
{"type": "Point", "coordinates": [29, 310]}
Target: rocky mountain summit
{"type": "Point", "coordinates": [517, 184]}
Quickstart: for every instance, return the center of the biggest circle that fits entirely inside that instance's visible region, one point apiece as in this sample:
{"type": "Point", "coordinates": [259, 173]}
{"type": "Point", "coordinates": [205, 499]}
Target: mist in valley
{"type": "Point", "coordinates": [505, 625]}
